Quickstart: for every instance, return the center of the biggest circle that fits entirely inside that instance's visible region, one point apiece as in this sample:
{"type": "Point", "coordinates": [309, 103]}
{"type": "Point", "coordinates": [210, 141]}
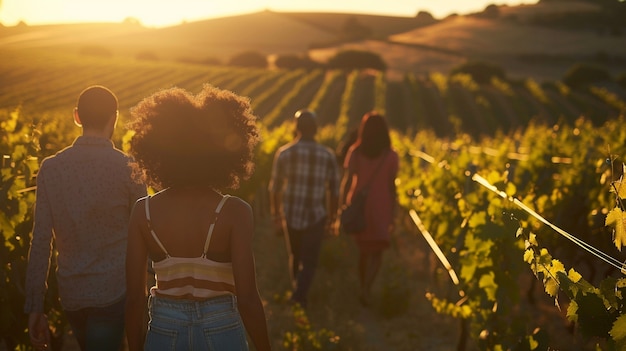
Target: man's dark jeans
{"type": "Point", "coordinates": [99, 328]}
{"type": "Point", "coordinates": [304, 245]}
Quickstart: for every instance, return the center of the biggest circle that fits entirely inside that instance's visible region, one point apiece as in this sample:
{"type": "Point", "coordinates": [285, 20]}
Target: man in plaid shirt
{"type": "Point", "coordinates": [304, 193]}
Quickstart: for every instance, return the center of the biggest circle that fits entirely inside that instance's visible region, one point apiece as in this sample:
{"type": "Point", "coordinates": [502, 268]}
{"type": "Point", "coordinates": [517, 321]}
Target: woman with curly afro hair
{"type": "Point", "coordinates": [190, 148]}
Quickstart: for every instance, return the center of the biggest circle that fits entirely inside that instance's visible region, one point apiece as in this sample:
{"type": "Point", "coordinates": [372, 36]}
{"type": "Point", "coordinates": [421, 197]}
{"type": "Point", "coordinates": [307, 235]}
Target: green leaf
{"type": "Point", "coordinates": [551, 286]}
{"type": "Point", "coordinates": [468, 269]}
{"type": "Point", "coordinates": [556, 267]}
{"type": "Point", "coordinates": [618, 331]}
{"type": "Point", "coordinates": [615, 219]}
{"type": "Point", "coordinates": [532, 239]}
{"type": "Point", "coordinates": [529, 256]}
{"type": "Point", "coordinates": [621, 189]}
{"type": "Point", "coordinates": [574, 276]}
{"type": "Point", "coordinates": [488, 283]}
{"type": "Point", "coordinates": [19, 152]}
{"type": "Point", "coordinates": [593, 318]}
{"type": "Point", "coordinates": [510, 189]}
{"type": "Point", "coordinates": [572, 311]}
{"type": "Point", "coordinates": [532, 343]}
{"type": "Point", "coordinates": [477, 219]}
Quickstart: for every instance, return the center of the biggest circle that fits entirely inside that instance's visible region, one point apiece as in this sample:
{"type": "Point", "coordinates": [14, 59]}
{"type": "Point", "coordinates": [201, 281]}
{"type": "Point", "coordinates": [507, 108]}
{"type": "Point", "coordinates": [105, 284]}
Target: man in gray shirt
{"type": "Point", "coordinates": [85, 194]}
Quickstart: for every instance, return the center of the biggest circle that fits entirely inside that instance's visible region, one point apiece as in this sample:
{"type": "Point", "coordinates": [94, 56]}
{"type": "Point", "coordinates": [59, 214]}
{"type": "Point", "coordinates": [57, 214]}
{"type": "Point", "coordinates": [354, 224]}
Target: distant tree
{"type": "Point", "coordinates": [425, 16]}
{"type": "Point", "coordinates": [481, 72]}
{"type": "Point", "coordinates": [249, 59]}
{"type": "Point", "coordinates": [582, 75]}
{"type": "Point", "coordinates": [291, 61]}
{"type": "Point", "coordinates": [491, 11]}
{"type": "Point", "coordinates": [356, 59]}
{"type": "Point", "coordinates": [353, 30]}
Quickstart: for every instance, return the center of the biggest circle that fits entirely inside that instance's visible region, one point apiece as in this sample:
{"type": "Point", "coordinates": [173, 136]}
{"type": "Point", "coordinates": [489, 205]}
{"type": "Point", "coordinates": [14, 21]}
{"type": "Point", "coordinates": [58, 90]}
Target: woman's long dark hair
{"type": "Point", "coordinates": [373, 136]}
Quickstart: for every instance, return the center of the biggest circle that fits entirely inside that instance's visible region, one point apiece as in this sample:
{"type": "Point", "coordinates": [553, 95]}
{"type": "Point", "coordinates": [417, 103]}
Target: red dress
{"type": "Point", "coordinates": [380, 199]}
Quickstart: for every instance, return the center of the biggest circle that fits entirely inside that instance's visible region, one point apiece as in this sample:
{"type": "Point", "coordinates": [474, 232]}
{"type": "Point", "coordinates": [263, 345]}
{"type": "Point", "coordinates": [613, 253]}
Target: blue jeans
{"type": "Point", "coordinates": [98, 328]}
{"type": "Point", "coordinates": [213, 324]}
{"type": "Point", "coordinates": [304, 246]}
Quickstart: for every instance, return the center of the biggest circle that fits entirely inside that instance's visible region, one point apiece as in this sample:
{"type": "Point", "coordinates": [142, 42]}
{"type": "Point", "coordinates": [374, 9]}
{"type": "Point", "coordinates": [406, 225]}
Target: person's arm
{"type": "Point", "coordinates": [275, 192]}
{"type": "Point", "coordinates": [38, 330]}
{"type": "Point", "coordinates": [394, 191]}
{"type": "Point", "coordinates": [333, 191]}
{"type": "Point", "coordinates": [248, 298]}
{"type": "Point", "coordinates": [346, 181]}
{"type": "Point", "coordinates": [38, 267]}
{"type": "Point", "coordinates": [136, 266]}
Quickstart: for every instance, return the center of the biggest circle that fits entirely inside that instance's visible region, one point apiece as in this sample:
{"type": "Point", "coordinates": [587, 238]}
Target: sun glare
{"type": "Point", "coordinates": [159, 13]}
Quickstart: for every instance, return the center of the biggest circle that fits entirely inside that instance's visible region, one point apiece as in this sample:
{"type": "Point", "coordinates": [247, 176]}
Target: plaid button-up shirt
{"type": "Point", "coordinates": [304, 172]}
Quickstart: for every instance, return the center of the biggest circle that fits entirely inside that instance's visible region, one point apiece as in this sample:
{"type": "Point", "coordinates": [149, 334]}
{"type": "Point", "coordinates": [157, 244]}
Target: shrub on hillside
{"type": "Point", "coordinates": [425, 16]}
{"type": "Point", "coordinates": [356, 59]}
{"type": "Point", "coordinates": [491, 11]}
{"type": "Point", "coordinates": [582, 75]}
{"type": "Point", "coordinates": [249, 59]}
{"type": "Point", "coordinates": [481, 72]}
{"type": "Point", "coordinates": [290, 61]}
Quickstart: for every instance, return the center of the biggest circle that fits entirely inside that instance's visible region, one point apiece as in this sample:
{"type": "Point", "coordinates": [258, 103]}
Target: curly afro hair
{"type": "Point", "coordinates": [203, 140]}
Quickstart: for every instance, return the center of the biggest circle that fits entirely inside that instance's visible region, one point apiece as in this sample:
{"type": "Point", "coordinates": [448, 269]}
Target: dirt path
{"type": "Point", "coordinates": [374, 338]}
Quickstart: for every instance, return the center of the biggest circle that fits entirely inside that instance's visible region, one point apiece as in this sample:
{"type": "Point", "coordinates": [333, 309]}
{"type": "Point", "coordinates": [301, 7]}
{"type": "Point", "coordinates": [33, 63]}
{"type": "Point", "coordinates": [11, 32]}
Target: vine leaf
{"type": "Point", "coordinates": [551, 286]}
{"type": "Point", "coordinates": [593, 317]}
{"type": "Point", "coordinates": [619, 189]}
{"type": "Point", "coordinates": [488, 283]}
{"type": "Point", "coordinates": [574, 276]}
{"type": "Point", "coordinates": [618, 332]}
{"type": "Point", "coordinates": [529, 256]}
{"type": "Point", "coordinates": [616, 219]}
{"type": "Point", "coordinates": [572, 311]}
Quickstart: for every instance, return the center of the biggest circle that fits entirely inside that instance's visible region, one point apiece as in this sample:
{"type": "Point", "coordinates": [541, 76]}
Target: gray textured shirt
{"type": "Point", "coordinates": [85, 194]}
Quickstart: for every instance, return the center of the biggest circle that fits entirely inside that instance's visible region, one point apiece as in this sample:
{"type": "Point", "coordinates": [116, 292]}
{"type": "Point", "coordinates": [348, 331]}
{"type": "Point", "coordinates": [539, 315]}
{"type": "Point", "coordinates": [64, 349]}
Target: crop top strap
{"type": "Point", "coordinates": [210, 233]}
{"type": "Point", "coordinates": [147, 206]}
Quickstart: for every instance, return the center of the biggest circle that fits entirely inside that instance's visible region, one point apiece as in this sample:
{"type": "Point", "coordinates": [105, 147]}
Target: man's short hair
{"type": "Point", "coordinates": [306, 122]}
{"type": "Point", "coordinates": [96, 105]}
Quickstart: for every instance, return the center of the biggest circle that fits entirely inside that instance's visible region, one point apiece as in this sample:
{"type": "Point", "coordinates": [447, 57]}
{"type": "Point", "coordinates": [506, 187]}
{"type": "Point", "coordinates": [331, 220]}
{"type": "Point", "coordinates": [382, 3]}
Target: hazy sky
{"type": "Point", "coordinates": [170, 12]}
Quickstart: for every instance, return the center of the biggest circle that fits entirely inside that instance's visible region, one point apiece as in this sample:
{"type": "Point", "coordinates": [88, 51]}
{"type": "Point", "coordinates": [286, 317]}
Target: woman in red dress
{"type": "Point", "coordinates": [371, 163]}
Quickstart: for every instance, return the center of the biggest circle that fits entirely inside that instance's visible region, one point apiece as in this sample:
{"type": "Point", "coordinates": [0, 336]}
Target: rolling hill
{"type": "Point", "coordinates": [418, 44]}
